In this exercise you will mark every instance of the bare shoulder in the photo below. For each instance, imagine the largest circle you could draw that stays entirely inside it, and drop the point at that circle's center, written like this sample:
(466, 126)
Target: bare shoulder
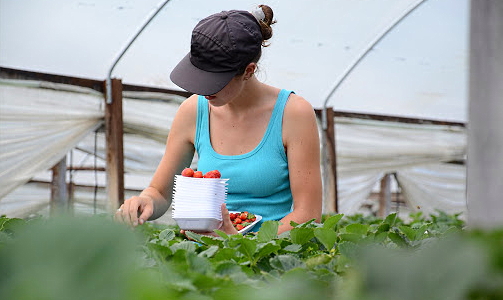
(188, 106)
(298, 107)
(184, 123)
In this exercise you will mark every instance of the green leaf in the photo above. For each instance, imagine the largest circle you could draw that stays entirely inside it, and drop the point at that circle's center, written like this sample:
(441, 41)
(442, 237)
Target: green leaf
(209, 252)
(198, 264)
(228, 268)
(248, 247)
(332, 221)
(167, 235)
(384, 227)
(380, 237)
(351, 237)
(210, 240)
(348, 249)
(391, 219)
(266, 249)
(409, 232)
(221, 234)
(188, 246)
(293, 248)
(397, 239)
(225, 254)
(317, 260)
(356, 228)
(301, 235)
(326, 236)
(194, 236)
(268, 231)
(286, 262)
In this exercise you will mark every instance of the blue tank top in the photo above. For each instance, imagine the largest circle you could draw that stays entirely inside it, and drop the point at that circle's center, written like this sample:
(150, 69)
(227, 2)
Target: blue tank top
(258, 180)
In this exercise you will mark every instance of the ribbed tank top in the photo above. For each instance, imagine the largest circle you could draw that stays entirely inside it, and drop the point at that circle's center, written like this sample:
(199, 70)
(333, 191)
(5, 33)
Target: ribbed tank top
(258, 180)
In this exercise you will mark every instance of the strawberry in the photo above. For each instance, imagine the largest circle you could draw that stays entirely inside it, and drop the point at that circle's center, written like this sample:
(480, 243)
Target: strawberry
(239, 227)
(188, 172)
(198, 174)
(212, 174)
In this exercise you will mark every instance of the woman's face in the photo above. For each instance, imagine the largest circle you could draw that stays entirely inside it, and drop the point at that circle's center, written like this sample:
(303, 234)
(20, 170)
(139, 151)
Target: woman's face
(232, 90)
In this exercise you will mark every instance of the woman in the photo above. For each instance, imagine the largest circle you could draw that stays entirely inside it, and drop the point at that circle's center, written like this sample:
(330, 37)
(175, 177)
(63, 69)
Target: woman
(263, 138)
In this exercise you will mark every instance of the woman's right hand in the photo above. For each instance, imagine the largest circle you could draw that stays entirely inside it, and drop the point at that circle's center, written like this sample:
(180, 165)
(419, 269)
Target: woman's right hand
(135, 210)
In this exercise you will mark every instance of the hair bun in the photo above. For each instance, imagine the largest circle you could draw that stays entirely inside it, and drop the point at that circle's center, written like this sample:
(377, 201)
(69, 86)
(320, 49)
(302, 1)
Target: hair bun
(265, 18)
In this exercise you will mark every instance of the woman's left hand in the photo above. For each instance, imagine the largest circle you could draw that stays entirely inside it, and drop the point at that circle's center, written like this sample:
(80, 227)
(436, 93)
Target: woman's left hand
(226, 226)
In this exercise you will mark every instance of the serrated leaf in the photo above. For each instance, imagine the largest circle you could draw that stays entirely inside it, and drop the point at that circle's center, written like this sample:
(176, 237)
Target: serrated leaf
(286, 262)
(326, 236)
(317, 260)
(194, 236)
(210, 240)
(409, 232)
(188, 246)
(222, 234)
(348, 249)
(227, 268)
(351, 237)
(268, 231)
(397, 239)
(391, 219)
(301, 235)
(198, 264)
(356, 228)
(332, 221)
(167, 234)
(266, 249)
(380, 237)
(209, 252)
(293, 248)
(225, 254)
(384, 227)
(248, 247)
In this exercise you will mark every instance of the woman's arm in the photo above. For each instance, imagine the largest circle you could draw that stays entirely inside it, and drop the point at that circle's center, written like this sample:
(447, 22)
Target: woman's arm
(301, 140)
(156, 199)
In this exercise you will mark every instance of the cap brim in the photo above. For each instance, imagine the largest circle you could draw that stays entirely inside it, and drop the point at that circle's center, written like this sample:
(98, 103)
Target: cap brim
(197, 81)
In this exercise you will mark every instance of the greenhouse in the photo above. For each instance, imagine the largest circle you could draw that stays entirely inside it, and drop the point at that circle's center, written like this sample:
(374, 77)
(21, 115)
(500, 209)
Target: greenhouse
(407, 101)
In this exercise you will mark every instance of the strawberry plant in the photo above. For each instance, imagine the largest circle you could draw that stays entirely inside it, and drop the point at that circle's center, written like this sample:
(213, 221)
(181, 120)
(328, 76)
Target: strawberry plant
(344, 257)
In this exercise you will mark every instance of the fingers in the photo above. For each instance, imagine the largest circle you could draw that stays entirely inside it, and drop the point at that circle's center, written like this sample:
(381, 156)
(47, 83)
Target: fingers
(145, 213)
(134, 211)
(227, 226)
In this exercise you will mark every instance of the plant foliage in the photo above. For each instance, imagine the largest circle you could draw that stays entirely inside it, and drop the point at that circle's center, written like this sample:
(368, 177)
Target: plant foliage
(344, 257)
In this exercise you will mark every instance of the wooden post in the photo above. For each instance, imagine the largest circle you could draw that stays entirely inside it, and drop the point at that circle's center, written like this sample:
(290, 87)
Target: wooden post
(485, 134)
(59, 191)
(328, 124)
(385, 196)
(114, 145)
(331, 144)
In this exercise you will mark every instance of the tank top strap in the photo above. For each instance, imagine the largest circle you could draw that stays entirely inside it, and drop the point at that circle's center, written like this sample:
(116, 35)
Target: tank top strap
(275, 130)
(202, 125)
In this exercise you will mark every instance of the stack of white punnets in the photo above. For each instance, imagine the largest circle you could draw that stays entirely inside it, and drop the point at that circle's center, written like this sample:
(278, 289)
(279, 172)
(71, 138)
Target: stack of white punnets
(197, 202)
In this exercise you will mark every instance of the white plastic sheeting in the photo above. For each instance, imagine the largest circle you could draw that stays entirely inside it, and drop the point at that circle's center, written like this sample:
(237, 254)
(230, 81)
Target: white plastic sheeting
(418, 70)
(39, 126)
(366, 150)
(41, 122)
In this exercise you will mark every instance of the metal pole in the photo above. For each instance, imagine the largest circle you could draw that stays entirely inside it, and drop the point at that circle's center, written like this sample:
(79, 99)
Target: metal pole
(123, 51)
(368, 48)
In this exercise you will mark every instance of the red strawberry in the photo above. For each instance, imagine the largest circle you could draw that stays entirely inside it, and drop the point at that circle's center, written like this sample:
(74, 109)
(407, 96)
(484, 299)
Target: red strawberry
(198, 174)
(212, 174)
(188, 172)
(239, 227)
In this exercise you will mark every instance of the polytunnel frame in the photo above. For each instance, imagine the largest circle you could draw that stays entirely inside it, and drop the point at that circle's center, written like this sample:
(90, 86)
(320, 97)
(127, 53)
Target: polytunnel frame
(329, 134)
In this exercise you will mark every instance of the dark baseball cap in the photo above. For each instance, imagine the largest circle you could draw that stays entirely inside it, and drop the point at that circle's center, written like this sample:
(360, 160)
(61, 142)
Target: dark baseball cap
(221, 45)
